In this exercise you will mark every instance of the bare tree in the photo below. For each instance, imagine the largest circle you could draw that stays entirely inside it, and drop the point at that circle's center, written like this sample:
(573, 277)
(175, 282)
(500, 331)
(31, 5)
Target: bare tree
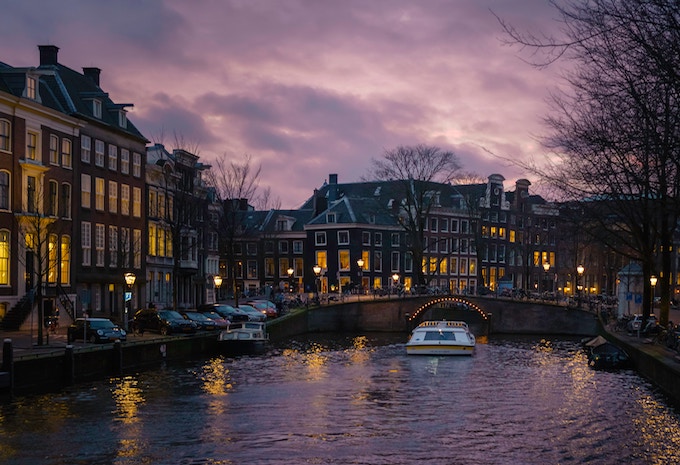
(417, 172)
(615, 130)
(237, 189)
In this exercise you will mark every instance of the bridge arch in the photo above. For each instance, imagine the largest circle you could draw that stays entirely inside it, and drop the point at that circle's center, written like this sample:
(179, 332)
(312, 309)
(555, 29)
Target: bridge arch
(452, 302)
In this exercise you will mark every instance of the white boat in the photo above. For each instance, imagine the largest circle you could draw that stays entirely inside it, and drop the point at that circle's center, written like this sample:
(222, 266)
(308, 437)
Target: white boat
(441, 338)
(244, 337)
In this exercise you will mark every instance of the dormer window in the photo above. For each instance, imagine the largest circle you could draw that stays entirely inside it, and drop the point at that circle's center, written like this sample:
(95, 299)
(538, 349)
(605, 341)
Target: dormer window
(31, 87)
(122, 119)
(330, 218)
(96, 108)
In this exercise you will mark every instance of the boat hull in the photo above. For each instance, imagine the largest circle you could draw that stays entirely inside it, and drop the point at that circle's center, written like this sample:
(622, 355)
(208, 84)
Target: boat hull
(439, 350)
(240, 347)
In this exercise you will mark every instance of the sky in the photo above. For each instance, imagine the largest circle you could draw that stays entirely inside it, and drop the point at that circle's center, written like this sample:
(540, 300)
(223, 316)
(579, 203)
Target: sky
(307, 87)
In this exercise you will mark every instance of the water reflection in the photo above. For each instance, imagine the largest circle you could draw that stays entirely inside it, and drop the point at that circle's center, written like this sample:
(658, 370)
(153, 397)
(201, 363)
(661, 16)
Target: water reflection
(356, 399)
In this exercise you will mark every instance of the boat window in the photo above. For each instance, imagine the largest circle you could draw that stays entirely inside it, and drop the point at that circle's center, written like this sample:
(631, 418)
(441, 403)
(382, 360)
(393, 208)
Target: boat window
(440, 336)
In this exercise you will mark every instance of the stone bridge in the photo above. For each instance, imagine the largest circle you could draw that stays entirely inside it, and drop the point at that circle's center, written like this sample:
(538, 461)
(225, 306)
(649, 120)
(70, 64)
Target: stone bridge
(484, 315)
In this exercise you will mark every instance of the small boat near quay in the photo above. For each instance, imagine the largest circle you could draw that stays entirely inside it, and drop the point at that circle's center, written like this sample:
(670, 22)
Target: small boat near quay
(243, 337)
(603, 355)
(441, 338)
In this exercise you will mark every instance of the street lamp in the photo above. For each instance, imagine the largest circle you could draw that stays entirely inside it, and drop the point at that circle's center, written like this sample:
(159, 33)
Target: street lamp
(360, 263)
(395, 280)
(290, 272)
(652, 280)
(217, 279)
(130, 281)
(317, 272)
(579, 270)
(546, 267)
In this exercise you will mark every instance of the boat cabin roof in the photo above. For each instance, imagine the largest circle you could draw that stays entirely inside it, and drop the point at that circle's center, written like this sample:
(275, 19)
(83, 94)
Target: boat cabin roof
(443, 324)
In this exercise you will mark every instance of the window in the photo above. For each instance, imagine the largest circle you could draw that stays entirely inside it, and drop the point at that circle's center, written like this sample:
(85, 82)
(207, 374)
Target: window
(454, 226)
(31, 201)
(330, 218)
(408, 262)
(4, 257)
(395, 239)
(377, 260)
(52, 192)
(321, 259)
(125, 199)
(366, 238)
(251, 269)
(343, 237)
(66, 155)
(283, 267)
(378, 239)
(86, 242)
(343, 260)
(113, 197)
(269, 267)
(454, 265)
(122, 119)
(99, 152)
(136, 202)
(251, 248)
(5, 138)
(85, 148)
(395, 261)
(65, 200)
(31, 87)
(297, 247)
(444, 225)
(113, 157)
(152, 240)
(4, 190)
(54, 146)
(99, 194)
(320, 238)
(99, 244)
(124, 161)
(136, 165)
(52, 251)
(137, 248)
(113, 246)
(433, 225)
(283, 247)
(65, 260)
(96, 108)
(31, 146)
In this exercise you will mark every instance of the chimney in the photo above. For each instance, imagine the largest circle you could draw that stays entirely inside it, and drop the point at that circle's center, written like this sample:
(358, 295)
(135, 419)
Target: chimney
(333, 187)
(48, 54)
(92, 74)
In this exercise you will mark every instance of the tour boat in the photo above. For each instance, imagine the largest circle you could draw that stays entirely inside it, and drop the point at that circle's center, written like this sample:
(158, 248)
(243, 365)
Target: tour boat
(441, 338)
(244, 337)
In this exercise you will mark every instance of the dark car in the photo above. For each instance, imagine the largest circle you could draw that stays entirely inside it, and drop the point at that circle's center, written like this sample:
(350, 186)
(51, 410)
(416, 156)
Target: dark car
(265, 306)
(95, 330)
(225, 311)
(253, 313)
(162, 321)
(218, 319)
(203, 323)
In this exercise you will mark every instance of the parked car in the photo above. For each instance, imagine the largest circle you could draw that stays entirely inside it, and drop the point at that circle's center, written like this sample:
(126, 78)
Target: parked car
(253, 313)
(221, 322)
(203, 323)
(95, 330)
(265, 306)
(635, 323)
(226, 311)
(162, 321)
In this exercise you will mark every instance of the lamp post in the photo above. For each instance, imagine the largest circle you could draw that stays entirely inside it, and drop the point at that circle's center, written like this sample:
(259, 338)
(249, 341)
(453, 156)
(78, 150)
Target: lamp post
(217, 279)
(579, 271)
(546, 268)
(360, 263)
(130, 281)
(652, 280)
(317, 272)
(290, 272)
(395, 280)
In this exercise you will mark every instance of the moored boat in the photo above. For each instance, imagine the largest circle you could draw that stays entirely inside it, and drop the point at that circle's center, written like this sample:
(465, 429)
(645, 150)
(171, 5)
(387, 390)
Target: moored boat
(441, 338)
(244, 337)
(604, 355)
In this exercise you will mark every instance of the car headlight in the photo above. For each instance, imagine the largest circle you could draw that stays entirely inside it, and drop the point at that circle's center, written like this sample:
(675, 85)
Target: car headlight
(100, 332)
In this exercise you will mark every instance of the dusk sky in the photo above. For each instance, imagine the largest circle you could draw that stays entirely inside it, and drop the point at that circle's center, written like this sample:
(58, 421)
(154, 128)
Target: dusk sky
(306, 87)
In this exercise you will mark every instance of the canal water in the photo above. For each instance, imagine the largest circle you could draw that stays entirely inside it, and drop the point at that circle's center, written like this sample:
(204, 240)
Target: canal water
(354, 400)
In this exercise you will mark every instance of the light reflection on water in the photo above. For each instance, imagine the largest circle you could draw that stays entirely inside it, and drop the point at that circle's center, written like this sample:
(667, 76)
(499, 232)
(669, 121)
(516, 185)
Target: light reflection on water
(354, 400)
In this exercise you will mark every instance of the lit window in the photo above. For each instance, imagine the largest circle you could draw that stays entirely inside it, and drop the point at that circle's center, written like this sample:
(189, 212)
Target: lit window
(4, 257)
(31, 87)
(99, 194)
(65, 261)
(113, 197)
(136, 202)
(125, 199)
